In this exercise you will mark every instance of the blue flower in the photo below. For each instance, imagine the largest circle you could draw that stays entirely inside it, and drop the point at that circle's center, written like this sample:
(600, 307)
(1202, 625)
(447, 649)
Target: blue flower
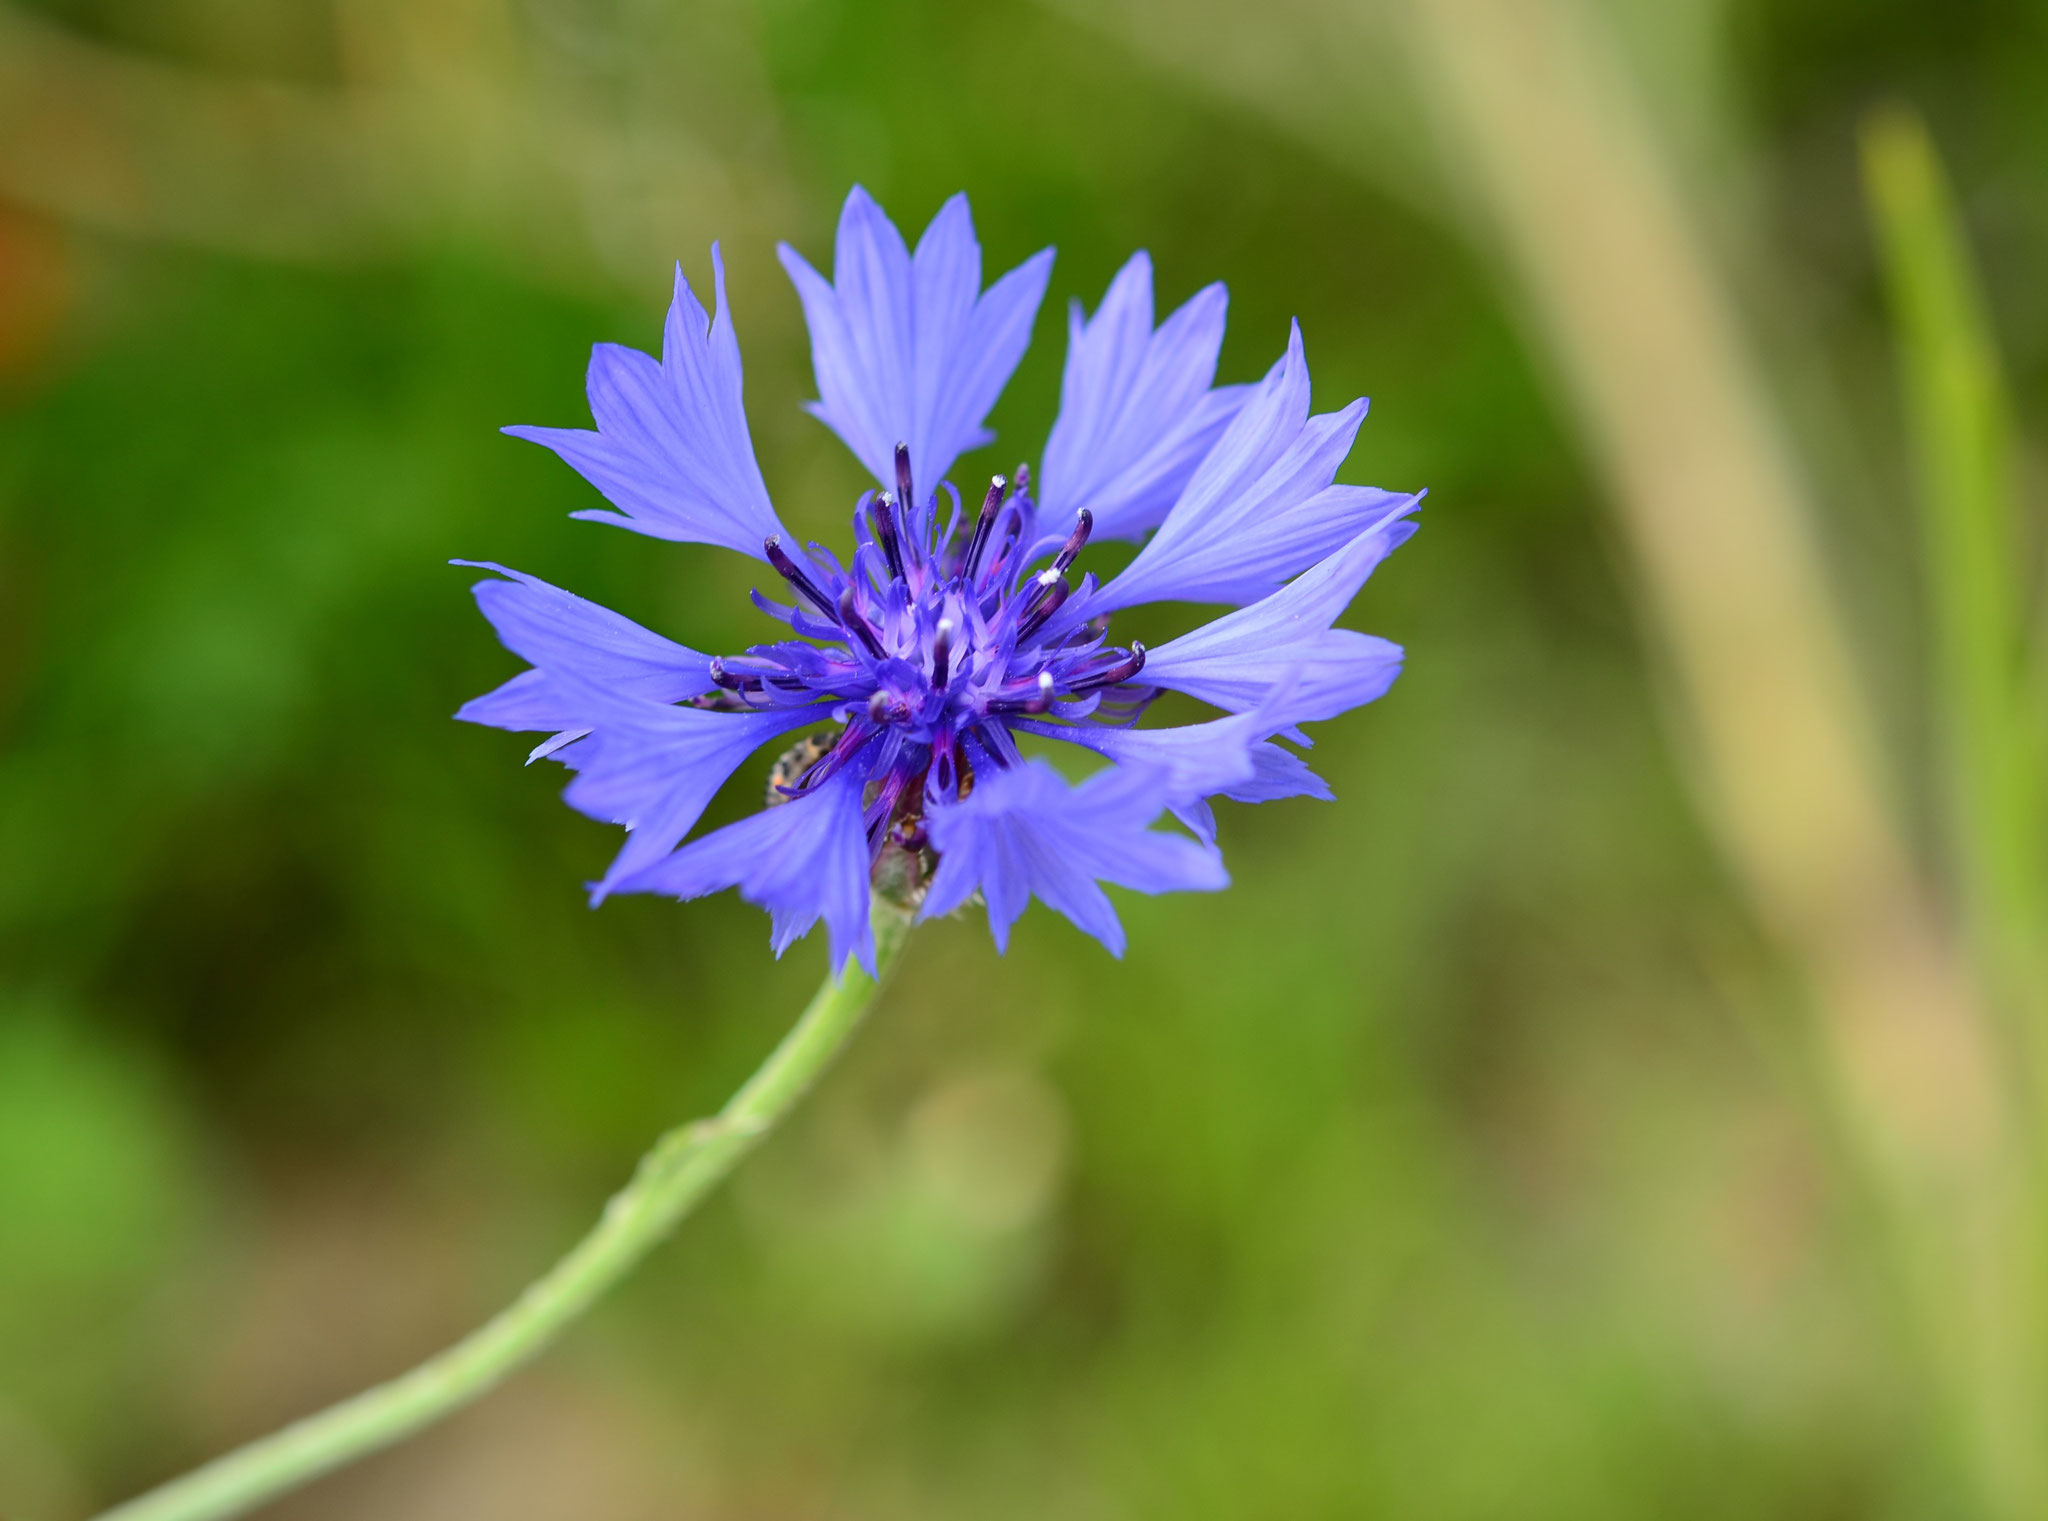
(951, 632)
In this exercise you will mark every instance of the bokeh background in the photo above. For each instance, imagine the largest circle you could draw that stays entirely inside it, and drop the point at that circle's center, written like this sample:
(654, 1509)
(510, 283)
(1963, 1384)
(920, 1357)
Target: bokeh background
(1462, 1161)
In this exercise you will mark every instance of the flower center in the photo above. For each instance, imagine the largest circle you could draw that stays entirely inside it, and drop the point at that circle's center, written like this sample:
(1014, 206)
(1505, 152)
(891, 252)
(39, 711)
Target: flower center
(931, 642)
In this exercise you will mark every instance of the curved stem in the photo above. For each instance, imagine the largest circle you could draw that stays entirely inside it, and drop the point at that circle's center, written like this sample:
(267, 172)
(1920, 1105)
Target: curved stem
(681, 1168)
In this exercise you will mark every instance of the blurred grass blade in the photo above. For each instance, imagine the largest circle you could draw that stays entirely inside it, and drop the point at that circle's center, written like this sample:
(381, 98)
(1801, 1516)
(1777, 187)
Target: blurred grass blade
(1576, 195)
(1960, 422)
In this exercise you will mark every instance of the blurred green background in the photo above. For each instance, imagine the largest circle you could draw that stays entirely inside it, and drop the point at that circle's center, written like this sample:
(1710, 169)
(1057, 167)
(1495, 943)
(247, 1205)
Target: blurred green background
(1454, 1164)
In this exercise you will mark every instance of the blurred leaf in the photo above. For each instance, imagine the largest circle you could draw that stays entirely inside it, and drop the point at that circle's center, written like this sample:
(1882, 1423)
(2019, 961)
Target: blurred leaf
(463, 127)
(100, 1200)
(95, 1165)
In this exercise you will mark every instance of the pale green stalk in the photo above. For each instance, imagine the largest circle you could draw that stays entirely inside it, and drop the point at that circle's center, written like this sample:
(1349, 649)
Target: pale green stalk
(682, 1167)
(1565, 167)
(1961, 426)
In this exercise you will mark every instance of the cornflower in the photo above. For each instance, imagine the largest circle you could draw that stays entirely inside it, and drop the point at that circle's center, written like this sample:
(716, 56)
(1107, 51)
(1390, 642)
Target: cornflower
(951, 632)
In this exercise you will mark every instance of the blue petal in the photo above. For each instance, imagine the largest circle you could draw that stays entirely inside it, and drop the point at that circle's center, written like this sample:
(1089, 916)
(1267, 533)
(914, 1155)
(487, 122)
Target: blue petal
(1024, 833)
(1227, 757)
(655, 768)
(671, 451)
(557, 630)
(1137, 414)
(1221, 758)
(525, 704)
(1237, 660)
(1261, 507)
(803, 861)
(903, 350)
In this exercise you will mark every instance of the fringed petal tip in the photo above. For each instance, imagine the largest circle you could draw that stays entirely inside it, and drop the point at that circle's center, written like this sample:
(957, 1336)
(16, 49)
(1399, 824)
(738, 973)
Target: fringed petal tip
(906, 346)
(1137, 410)
(569, 640)
(671, 451)
(1026, 832)
(802, 861)
(1261, 507)
(1236, 660)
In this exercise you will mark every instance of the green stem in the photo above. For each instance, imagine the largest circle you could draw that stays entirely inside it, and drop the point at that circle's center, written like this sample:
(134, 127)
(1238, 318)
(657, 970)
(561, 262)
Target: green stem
(1960, 418)
(1991, 1340)
(682, 1167)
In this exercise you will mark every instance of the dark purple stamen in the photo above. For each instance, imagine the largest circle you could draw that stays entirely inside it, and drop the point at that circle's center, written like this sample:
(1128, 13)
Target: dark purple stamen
(793, 574)
(851, 620)
(1007, 538)
(1084, 522)
(904, 494)
(1109, 676)
(1045, 601)
(1034, 698)
(992, 504)
(882, 519)
(721, 677)
(929, 646)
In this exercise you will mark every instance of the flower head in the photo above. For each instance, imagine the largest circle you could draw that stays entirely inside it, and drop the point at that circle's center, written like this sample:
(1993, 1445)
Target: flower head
(954, 628)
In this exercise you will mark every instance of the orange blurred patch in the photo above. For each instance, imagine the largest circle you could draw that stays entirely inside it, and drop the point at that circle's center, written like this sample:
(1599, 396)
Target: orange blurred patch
(35, 289)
